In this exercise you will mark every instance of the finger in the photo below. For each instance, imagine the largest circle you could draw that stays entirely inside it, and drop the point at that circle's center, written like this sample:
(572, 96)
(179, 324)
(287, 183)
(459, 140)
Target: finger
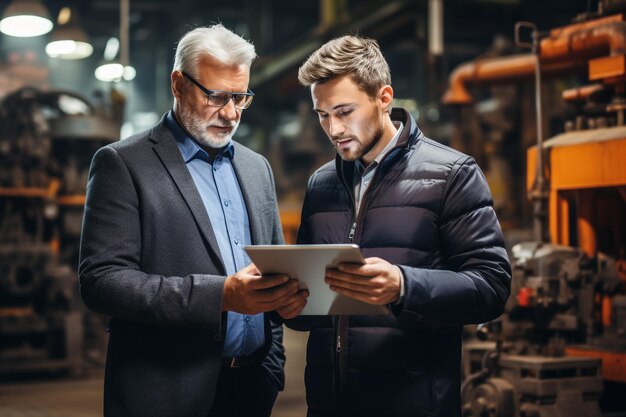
(268, 281)
(286, 300)
(336, 275)
(292, 302)
(347, 285)
(252, 270)
(275, 294)
(293, 312)
(293, 309)
(356, 295)
(367, 270)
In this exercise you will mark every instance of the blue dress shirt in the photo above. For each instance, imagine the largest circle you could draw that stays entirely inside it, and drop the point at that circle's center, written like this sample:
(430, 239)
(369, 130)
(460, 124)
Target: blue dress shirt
(218, 186)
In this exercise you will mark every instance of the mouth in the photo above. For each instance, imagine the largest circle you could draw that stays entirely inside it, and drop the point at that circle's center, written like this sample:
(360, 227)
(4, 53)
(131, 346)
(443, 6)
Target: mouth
(343, 143)
(221, 129)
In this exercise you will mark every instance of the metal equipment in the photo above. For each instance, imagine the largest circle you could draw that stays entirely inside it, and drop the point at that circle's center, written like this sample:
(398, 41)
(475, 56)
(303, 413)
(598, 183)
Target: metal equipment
(560, 347)
(46, 143)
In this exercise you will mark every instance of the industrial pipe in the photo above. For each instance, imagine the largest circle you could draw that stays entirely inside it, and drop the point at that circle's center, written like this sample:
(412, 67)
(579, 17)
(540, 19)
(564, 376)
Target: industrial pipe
(563, 51)
(588, 43)
(581, 93)
(493, 70)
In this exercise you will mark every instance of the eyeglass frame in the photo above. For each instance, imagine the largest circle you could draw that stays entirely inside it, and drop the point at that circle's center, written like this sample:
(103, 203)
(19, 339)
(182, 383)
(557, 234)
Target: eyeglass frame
(209, 92)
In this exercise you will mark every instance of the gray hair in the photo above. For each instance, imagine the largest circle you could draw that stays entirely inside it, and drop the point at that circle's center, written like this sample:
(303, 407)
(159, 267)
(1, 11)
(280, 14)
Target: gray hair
(216, 41)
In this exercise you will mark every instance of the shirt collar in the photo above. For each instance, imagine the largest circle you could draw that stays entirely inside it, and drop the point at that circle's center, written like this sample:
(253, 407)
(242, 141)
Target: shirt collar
(359, 163)
(189, 148)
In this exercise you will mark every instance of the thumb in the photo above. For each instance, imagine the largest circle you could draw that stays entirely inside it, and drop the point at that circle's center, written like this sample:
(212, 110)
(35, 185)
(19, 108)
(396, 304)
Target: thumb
(252, 270)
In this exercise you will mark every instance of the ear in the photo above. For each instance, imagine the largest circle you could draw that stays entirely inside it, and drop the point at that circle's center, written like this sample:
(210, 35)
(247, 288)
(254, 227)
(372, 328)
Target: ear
(177, 84)
(385, 95)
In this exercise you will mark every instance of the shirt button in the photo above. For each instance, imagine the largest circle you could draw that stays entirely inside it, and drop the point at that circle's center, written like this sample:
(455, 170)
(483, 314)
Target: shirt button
(226, 203)
(236, 241)
(247, 319)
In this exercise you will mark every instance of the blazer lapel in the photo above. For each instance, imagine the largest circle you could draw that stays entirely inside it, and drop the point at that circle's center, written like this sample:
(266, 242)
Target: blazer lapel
(248, 181)
(169, 154)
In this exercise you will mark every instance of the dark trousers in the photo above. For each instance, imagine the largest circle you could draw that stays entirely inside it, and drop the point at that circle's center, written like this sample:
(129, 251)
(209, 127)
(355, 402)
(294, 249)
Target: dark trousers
(244, 392)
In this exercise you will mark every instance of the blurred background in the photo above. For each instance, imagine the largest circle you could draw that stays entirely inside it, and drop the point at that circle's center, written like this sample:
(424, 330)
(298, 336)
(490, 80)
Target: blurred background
(498, 79)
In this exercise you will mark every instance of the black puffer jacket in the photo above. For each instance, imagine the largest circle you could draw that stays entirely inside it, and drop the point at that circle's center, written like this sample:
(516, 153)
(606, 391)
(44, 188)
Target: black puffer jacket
(428, 210)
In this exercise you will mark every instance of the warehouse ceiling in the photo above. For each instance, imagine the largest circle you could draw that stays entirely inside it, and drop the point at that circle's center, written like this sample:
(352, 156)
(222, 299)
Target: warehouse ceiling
(285, 31)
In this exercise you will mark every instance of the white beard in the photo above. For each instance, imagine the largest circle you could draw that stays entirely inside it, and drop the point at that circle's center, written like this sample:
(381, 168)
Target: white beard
(198, 128)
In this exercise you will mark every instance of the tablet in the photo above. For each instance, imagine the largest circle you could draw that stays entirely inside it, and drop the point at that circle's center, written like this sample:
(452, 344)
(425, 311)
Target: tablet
(308, 263)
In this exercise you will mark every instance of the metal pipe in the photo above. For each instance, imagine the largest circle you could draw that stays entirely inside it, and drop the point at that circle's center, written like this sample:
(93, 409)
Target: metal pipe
(124, 11)
(494, 70)
(566, 49)
(587, 43)
(581, 93)
(539, 194)
(435, 27)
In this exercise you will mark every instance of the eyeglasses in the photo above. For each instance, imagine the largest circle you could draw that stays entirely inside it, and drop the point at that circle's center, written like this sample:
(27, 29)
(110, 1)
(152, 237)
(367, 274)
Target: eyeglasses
(217, 98)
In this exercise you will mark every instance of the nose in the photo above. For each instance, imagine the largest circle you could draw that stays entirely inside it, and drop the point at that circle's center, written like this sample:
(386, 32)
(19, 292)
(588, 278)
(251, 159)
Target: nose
(335, 128)
(229, 111)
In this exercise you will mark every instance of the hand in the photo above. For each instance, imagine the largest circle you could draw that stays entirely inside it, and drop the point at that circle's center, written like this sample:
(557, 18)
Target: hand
(294, 308)
(247, 292)
(375, 282)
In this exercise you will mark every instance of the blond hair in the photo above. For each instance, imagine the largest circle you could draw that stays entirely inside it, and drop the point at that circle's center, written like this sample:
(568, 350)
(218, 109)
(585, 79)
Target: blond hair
(359, 58)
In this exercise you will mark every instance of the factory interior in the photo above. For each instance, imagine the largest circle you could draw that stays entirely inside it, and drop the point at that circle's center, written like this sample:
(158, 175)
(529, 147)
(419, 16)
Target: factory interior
(496, 79)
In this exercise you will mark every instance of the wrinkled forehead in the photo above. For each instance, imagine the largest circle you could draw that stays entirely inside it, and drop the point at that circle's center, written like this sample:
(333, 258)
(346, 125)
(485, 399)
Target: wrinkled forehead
(216, 75)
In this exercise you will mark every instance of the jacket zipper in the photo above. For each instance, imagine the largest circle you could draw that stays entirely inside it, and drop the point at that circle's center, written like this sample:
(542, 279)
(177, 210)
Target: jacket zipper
(341, 332)
(341, 326)
(341, 323)
(352, 230)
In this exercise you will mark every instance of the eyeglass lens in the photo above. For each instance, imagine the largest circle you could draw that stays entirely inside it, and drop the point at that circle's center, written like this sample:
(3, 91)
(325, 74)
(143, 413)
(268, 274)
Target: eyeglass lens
(221, 99)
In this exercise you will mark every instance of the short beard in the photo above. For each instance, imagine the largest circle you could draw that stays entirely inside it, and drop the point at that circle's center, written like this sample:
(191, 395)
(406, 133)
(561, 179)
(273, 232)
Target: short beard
(369, 146)
(365, 147)
(197, 128)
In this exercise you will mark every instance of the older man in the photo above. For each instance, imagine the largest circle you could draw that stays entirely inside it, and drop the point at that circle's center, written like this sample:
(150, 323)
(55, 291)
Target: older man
(168, 213)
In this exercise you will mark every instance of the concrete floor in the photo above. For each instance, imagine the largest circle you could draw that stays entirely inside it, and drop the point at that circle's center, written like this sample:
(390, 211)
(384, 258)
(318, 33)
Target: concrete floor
(45, 397)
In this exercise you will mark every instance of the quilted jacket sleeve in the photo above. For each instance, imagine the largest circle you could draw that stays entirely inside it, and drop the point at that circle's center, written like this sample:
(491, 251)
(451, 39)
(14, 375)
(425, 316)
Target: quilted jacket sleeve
(474, 283)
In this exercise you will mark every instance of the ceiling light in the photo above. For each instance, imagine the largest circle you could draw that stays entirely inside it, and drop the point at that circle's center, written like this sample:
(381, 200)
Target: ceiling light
(113, 72)
(25, 18)
(118, 71)
(111, 49)
(69, 49)
(68, 40)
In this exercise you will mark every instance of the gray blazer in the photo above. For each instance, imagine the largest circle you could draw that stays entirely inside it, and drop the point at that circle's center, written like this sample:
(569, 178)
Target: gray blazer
(149, 259)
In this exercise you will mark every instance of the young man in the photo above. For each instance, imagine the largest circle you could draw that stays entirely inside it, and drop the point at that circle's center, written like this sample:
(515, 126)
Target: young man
(168, 213)
(422, 215)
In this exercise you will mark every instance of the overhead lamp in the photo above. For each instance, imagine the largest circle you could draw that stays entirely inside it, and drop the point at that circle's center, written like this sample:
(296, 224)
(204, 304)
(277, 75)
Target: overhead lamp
(114, 71)
(25, 18)
(68, 39)
(118, 71)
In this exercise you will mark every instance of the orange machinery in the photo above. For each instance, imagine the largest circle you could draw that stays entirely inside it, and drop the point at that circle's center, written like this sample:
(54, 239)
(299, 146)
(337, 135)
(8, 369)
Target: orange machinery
(586, 172)
(580, 179)
(290, 220)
